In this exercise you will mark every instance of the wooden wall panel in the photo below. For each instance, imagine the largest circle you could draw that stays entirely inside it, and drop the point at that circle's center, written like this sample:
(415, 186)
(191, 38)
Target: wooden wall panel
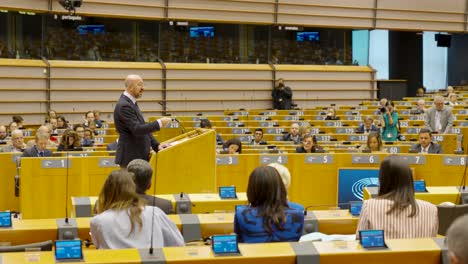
(31, 5)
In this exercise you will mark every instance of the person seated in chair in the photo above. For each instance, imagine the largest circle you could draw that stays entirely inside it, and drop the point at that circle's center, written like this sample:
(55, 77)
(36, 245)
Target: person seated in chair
(374, 144)
(457, 239)
(233, 146)
(17, 142)
(258, 137)
(425, 145)
(70, 141)
(39, 150)
(420, 108)
(331, 114)
(367, 126)
(293, 135)
(268, 217)
(309, 144)
(205, 123)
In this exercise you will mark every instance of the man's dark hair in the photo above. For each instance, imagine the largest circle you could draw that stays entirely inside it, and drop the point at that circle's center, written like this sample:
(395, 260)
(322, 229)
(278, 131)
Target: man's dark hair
(425, 130)
(75, 127)
(205, 123)
(259, 130)
(142, 174)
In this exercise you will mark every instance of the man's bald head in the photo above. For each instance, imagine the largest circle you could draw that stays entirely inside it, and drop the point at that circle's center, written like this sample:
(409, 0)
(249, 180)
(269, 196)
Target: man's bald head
(134, 85)
(43, 129)
(3, 132)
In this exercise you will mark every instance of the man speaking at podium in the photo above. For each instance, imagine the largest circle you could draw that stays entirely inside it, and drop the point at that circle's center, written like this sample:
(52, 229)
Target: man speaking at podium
(135, 136)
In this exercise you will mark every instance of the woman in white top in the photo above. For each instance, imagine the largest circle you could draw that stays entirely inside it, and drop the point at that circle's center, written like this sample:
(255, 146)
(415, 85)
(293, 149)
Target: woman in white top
(123, 220)
(395, 210)
(452, 99)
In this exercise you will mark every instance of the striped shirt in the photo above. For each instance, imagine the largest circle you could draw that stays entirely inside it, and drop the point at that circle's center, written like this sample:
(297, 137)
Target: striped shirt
(398, 224)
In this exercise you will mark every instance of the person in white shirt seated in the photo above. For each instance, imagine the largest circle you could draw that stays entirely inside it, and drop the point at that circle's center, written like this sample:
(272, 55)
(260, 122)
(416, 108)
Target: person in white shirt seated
(452, 99)
(123, 220)
(425, 145)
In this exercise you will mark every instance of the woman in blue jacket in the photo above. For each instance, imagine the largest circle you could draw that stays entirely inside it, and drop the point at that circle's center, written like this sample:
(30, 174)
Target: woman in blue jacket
(268, 217)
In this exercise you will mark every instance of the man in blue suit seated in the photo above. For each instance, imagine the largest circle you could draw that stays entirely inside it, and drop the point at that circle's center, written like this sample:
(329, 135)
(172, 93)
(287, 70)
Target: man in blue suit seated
(367, 126)
(39, 150)
(425, 145)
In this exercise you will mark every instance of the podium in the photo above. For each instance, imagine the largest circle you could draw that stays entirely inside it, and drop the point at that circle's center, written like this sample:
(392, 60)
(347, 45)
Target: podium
(188, 165)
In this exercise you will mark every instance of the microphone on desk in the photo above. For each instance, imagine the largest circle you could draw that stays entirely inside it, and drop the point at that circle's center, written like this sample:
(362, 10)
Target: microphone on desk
(180, 124)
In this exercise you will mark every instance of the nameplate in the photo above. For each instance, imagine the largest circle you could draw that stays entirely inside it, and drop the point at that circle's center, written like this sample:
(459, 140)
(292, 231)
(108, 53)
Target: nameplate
(462, 112)
(416, 117)
(344, 130)
(394, 149)
(27, 133)
(376, 112)
(105, 126)
(291, 118)
(319, 118)
(233, 124)
(404, 123)
(323, 137)
(454, 161)
(267, 124)
(173, 125)
(241, 113)
(363, 107)
(271, 159)
(364, 159)
(314, 131)
(333, 124)
(278, 138)
(276, 130)
(260, 118)
(348, 112)
(197, 119)
(79, 154)
(405, 112)
(107, 163)
(438, 138)
(269, 113)
(357, 138)
(240, 130)
(299, 113)
(227, 160)
(224, 118)
(196, 125)
(405, 103)
(415, 159)
(353, 118)
(463, 124)
(55, 164)
(245, 138)
(319, 159)
(413, 130)
(100, 132)
(456, 130)
(99, 140)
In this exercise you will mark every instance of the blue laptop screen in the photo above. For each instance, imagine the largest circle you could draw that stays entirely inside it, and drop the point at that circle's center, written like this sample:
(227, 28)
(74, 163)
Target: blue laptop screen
(355, 207)
(68, 249)
(5, 219)
(224, 244)
(227, 192)
(420, 186)
(372, 238)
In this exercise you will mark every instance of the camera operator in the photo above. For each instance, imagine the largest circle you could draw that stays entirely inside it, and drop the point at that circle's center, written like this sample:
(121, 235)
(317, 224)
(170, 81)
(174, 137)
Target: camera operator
(389, 122)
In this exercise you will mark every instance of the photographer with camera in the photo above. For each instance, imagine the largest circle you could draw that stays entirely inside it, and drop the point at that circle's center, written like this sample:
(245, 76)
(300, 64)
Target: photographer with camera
(389, 122)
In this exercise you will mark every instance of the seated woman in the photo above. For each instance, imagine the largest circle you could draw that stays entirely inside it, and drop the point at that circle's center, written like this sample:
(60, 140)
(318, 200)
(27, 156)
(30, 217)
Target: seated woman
(233, 146)
(123, 220)
(268, 217)
(374, 143)
(309, 144)
(395, 210)
(331, 114)
(70, 141)
(62, 122)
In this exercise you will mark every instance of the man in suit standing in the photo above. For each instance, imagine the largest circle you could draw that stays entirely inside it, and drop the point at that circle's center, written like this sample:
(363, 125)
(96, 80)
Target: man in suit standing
(439, 118)
(142, 177)
(39, 150)
(135, 136)
(425, 145)
(282, 96)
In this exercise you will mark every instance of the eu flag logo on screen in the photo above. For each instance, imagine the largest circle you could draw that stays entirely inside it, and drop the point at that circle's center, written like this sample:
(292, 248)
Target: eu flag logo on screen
(351, 183)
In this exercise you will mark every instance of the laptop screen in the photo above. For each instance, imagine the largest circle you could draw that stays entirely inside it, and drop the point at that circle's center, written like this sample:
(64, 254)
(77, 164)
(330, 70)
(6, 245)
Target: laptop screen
(5, 219)
(372, 238)
(420, 186)
(227, 192)
(68, 250)
(222, 244)
(355, 207)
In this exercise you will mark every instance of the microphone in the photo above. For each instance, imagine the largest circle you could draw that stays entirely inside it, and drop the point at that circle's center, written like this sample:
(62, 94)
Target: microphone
(180, 123)
(66, 186)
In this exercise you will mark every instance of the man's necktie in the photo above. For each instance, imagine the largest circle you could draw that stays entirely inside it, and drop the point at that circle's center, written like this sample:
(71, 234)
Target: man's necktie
(41, 154)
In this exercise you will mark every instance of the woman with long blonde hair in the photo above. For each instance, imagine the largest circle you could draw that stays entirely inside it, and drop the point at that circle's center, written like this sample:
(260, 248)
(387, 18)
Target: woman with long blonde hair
(123, 220)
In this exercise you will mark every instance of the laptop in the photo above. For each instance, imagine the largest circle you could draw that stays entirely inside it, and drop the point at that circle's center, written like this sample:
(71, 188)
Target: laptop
(68, 251)
(5, 219)
(372, 239)
(227, 192)
(419, 186)
(225, 245)
(355, 208)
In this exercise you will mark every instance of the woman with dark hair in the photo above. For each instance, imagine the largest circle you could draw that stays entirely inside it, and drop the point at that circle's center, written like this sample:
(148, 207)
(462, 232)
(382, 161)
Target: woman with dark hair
(70, 141)
(374, 143)
(389, 122)
(309, 144)
(123, 220)
(233, 146)
(268, 217)
(62, 122)
(395, 210)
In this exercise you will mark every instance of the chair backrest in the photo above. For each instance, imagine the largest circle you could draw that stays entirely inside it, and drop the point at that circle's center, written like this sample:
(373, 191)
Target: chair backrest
(448, 214)
(43, 246)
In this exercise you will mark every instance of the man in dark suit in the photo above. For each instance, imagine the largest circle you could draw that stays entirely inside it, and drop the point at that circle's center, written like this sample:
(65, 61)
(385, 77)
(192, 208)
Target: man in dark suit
(39, 150)
(425, 145)
(135, 136)
(282, 96)
(258, 138)
(368, 126)
(142, 177)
